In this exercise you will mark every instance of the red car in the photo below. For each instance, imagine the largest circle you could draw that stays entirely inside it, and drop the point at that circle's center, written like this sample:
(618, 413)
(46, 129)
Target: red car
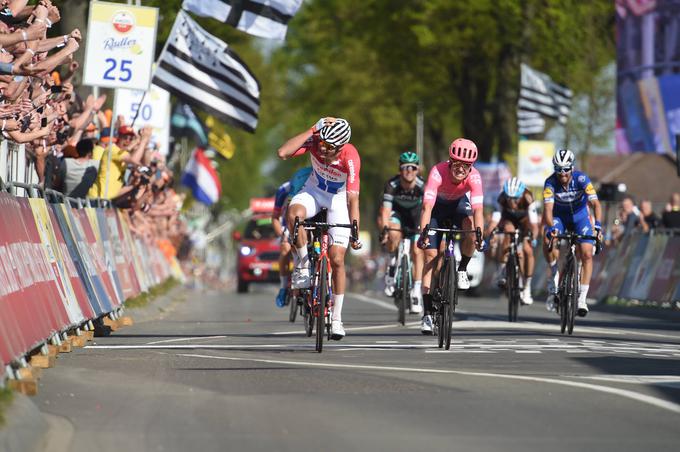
(257, 252)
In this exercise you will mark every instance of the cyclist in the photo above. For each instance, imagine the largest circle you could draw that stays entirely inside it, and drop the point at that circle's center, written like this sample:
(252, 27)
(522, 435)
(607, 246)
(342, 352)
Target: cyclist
(567, 194)
(283, 195)
(517, 210)
(333, 184)
(402, 202)
(445, 202)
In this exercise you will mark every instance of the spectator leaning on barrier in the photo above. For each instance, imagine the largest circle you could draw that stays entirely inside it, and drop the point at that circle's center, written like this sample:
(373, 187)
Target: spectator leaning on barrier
(629, 219)
(671, 216)
(80, 173)
(651, 219)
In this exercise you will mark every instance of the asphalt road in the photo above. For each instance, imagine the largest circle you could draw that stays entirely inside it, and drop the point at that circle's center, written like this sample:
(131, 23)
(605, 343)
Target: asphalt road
(229, 372)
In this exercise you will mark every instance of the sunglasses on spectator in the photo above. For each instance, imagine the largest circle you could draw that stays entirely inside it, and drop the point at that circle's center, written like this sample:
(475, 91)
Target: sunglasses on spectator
(409, 167)
(565, 170)
(461, 165)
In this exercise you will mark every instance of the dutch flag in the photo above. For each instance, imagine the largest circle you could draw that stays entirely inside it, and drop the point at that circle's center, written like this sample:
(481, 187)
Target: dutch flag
(201, 177)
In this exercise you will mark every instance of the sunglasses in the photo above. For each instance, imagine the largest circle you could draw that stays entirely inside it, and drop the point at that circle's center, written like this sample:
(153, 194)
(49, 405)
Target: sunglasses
(329, 147)
(566, 170)
(409, 167)
(461, 165)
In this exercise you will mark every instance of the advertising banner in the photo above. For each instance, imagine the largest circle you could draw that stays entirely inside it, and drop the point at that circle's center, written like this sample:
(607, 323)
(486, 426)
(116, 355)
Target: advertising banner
(631, 264)
(667, 276)
(52, 251)
(534, 164)
(105, 240)
(131, 258)
(80, 280)
(83, 242)
(655, 113)
(121, 42)
(633, 116)
(36, 273)
(643, 274)
(97, 253)
(670, 92)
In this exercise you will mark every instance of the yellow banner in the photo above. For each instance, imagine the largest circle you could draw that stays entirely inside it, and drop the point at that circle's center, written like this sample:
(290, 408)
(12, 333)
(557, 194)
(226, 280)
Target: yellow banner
(219, 139)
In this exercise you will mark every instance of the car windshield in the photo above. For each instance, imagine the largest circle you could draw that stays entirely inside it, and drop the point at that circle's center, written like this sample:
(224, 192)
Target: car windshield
(259, 228)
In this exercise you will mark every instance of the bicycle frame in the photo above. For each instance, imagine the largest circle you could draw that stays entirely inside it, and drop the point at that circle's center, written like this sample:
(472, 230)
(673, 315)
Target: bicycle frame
(402, 291)
(513, 271)
(570, 280)
(320, 303)
(444, 291)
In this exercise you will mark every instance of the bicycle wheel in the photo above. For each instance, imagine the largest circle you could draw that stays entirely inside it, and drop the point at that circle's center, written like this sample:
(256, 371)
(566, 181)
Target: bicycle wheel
(320, 307)
(452, 298)
(563, 299)
(573, 299)
(293, 302)
(442, 281)
(512, 289)
(403, 290)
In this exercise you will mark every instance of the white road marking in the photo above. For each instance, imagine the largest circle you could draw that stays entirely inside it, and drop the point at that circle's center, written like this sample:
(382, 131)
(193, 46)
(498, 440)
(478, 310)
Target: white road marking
(642, 398)
(636, 379)
(357, 328)
(184, 339)
(373, 301)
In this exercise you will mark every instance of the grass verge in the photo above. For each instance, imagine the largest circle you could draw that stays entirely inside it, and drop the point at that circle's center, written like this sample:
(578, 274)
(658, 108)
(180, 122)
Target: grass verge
(144, 298)
(5, 400)
(615, 301)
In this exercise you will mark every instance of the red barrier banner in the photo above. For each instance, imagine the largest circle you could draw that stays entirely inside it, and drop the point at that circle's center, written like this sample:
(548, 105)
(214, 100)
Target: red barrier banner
(117, 243)
(18, 333)
(39, 272)
(131, 260)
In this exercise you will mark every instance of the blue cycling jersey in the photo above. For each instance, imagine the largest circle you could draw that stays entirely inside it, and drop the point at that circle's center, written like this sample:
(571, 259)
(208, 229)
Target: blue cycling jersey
(572, 199)
(291, 187)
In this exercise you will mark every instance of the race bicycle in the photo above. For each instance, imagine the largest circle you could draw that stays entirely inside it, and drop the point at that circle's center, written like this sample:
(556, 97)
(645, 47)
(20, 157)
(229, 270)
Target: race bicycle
(445, 296)
(319, 305)
(403, 277)
(513, 274)
(569, 286)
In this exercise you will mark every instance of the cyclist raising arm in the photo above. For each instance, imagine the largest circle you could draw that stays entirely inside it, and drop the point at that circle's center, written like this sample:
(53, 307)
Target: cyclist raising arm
(334, 185)
(446, 200)
(566, 197)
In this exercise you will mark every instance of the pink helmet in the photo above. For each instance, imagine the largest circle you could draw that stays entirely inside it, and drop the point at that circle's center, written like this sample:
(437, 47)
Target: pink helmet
(463, 150)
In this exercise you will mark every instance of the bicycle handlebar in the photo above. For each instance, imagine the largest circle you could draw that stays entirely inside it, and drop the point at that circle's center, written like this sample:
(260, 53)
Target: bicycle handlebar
(313, 225)
(571, 236)
(477, 231)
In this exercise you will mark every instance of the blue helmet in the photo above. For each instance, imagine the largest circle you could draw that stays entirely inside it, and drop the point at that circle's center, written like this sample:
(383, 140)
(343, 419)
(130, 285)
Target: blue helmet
(514, 187)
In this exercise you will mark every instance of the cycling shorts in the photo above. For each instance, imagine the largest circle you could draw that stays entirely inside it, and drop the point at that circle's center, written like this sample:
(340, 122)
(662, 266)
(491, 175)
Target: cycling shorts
(448, 214)
(407, 219)
(578, 223)
(313, 199)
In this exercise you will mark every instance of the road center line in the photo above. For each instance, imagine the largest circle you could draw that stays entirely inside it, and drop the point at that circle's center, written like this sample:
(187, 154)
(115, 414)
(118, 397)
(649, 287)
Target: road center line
(642, 398)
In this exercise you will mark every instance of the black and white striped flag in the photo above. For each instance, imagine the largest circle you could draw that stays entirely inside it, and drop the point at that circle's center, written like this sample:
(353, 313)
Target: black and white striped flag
(540, 97)
(201, 70)
(263, 18)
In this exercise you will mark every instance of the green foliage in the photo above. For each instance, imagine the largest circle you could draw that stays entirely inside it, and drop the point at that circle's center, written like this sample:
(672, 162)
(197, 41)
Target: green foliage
(145, 298)
(5, 401)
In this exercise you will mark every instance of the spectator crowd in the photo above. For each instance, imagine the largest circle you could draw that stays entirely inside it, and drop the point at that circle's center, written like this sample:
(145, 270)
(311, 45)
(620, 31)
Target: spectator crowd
(631, 218)
(69, 137)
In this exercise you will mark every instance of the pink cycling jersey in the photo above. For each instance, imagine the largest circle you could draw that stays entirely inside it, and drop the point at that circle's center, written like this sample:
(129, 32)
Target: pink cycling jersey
(440, 186)
(341, 174)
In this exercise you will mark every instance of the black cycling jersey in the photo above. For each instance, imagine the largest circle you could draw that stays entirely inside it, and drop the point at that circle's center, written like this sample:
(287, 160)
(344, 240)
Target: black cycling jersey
(397, 198)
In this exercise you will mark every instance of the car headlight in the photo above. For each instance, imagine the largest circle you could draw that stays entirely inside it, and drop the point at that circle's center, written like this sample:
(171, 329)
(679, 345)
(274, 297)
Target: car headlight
(247, 250)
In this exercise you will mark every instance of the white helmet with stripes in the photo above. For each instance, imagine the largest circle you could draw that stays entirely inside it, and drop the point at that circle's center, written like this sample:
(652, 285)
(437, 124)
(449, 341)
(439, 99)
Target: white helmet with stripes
(336, 134)
(514, 188)
(563, 158)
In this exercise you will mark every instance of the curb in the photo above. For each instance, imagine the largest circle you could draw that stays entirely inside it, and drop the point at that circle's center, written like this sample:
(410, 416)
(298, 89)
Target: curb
(25, 429)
